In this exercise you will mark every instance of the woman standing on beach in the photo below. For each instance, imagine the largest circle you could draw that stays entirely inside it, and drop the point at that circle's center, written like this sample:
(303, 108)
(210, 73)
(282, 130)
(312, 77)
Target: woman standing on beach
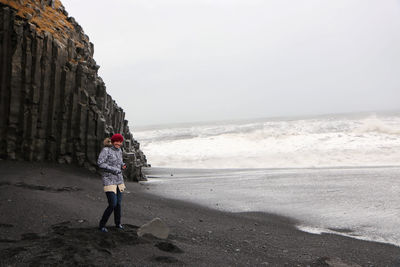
(111, 164)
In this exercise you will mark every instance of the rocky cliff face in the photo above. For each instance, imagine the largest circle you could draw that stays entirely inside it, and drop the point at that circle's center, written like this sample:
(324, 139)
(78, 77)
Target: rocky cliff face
(53, 104)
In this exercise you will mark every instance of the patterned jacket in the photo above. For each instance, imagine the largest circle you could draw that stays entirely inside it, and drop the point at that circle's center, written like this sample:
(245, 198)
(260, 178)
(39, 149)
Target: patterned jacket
(110, 162)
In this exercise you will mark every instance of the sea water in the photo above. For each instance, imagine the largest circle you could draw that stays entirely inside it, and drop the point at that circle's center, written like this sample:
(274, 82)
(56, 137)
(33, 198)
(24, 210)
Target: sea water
(325, 141)
(333, 174)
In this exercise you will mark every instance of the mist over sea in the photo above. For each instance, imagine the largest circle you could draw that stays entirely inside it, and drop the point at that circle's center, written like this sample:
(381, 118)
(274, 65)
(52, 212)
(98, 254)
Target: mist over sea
(333, 174)
(359, 139)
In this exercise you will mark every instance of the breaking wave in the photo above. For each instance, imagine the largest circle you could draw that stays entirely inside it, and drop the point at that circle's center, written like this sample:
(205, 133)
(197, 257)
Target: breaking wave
(327, 141)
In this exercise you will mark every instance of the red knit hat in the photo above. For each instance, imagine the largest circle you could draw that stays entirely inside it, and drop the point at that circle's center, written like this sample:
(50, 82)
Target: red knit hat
(117, 138)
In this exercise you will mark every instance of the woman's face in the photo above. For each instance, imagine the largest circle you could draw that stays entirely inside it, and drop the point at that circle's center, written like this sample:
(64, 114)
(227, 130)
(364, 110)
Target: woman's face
(117, 144)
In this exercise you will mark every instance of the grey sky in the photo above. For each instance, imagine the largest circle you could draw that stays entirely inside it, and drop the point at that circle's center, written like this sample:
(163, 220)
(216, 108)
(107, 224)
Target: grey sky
(198, 60)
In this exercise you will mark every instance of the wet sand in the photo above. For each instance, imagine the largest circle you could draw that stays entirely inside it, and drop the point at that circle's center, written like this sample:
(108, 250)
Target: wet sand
(49, 216)
(362, 201)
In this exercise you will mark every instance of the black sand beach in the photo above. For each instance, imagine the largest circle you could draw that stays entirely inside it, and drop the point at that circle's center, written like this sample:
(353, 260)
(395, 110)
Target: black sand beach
(50, 212)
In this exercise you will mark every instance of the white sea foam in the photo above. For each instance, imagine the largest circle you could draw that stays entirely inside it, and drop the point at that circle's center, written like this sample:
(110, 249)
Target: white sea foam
(374, 124)
(313, 142)
(360, 236)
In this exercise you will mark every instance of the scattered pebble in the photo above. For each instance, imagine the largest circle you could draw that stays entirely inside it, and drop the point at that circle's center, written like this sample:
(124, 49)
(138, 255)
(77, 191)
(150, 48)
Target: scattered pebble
(237, 250)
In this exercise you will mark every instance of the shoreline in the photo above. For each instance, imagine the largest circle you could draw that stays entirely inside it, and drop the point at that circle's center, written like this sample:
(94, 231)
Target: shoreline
(260, 234)
(296, 224)
(322, 200)
(272, 169)
(345, 233)
(60, 206)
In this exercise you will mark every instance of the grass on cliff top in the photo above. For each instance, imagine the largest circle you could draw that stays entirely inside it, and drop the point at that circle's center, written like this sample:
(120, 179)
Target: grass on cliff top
(49, 19)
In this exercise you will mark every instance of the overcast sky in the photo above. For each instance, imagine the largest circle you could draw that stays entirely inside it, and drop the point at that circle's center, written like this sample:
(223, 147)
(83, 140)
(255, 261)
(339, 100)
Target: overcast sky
(200, 60)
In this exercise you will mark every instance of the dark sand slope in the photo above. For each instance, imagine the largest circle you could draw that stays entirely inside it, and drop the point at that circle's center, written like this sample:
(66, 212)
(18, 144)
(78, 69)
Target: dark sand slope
(49, 215)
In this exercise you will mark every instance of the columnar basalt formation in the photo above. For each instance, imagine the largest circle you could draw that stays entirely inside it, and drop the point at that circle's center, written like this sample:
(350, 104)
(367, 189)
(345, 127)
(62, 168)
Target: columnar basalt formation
(53, 104)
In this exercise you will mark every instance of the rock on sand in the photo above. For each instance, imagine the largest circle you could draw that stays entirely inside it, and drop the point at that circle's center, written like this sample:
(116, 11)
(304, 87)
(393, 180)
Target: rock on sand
(155, 227)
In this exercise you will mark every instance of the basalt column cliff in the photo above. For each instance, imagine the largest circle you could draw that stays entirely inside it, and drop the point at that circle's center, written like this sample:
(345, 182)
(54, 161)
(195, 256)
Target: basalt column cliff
(53, 105)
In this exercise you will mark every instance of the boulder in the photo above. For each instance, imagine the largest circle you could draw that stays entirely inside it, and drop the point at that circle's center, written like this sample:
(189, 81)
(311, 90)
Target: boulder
(155, 227)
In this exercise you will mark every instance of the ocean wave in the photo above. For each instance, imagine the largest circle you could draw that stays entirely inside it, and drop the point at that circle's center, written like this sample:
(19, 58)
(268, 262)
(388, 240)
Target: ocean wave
(316, 142)
(374, 124)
